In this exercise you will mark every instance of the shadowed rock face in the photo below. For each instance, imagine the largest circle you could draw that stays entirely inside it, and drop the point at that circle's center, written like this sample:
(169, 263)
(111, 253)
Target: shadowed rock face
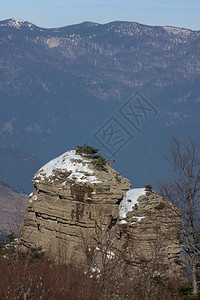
(151, 231)
(71, 197)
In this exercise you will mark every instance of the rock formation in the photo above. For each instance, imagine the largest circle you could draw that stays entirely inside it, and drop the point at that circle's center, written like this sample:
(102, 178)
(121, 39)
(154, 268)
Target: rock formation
(149, 232)
(68, 193)
(72, 195)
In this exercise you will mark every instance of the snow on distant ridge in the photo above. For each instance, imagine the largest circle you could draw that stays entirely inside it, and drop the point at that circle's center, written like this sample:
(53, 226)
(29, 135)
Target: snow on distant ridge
(129, 201)
(17, 23)
(69, 161)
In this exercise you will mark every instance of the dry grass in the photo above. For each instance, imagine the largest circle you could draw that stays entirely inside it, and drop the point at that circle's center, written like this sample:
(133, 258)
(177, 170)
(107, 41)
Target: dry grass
(43, 279)
(34, 279)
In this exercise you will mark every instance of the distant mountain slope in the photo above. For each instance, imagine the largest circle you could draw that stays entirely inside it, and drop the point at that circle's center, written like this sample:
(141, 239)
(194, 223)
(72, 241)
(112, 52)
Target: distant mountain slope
(59, 86)
(12, 207)
(17, 167)
(120, 54)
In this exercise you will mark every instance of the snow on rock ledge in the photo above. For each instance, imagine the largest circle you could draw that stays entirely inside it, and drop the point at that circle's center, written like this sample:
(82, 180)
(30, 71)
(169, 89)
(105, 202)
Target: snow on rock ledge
(130, 201)
(61, 211)
(71, 162)
(67, 201)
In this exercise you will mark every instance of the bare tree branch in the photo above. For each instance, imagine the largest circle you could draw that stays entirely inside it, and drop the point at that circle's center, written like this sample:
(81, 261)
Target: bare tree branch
(184, 192)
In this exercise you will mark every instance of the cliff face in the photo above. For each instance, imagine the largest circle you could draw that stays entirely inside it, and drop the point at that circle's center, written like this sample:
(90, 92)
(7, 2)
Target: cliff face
(68, 194)
(149, 233)
(71, 197)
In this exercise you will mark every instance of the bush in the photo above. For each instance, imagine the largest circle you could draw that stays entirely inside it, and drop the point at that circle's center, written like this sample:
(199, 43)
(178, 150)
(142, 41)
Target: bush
(148, 188)
(87, 150)
(8, 246)
(196, 296)
(35, 252)
(11, 237)
(99, 162)
(193, 297)
(185, 289)
(43, 279)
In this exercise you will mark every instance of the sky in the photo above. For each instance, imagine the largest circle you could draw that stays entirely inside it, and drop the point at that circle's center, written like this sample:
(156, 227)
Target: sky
(58, 13)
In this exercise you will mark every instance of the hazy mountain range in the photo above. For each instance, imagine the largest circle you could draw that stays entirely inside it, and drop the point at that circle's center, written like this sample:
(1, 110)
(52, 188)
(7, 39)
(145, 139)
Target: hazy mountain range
(12, 208)
(61, 87)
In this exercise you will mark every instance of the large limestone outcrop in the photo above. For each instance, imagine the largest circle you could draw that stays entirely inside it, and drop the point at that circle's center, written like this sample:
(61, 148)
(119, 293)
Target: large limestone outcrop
(149, 230)
(69, 192)
(71, 197)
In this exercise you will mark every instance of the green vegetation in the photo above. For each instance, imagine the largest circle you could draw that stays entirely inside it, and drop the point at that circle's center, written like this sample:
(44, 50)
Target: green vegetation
(186, 291)
(198, 265)
(148, 188)
(11, 237)
(99, 162)
(87, 150)
(32, 253)
(8, 244)
(91, 152)
(193, 297)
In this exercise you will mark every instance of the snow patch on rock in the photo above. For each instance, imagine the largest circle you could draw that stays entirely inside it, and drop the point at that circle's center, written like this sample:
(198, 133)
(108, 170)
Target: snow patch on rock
(130, 201)
(34, 198)
(123, 222)
(138, 219)
(76, 165)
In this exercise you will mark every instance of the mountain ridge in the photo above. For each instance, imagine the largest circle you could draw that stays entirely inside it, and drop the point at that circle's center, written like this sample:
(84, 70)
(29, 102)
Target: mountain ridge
(16, 20)
(59, 86)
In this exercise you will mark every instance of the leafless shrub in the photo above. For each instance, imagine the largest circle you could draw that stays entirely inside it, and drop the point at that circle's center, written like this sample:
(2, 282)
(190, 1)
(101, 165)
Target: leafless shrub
(43, 279)
(184, 192)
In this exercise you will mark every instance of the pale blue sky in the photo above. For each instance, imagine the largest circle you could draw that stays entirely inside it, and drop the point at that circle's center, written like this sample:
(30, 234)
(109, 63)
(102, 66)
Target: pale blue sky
(57, 13)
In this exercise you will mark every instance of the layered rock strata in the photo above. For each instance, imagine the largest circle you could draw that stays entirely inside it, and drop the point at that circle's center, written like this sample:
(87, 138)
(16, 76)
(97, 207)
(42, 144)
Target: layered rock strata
(71, 197)
(69, 193)
(149, 233)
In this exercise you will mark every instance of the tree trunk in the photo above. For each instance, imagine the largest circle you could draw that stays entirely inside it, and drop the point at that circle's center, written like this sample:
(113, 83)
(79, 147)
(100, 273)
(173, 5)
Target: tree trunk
(194, 277)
